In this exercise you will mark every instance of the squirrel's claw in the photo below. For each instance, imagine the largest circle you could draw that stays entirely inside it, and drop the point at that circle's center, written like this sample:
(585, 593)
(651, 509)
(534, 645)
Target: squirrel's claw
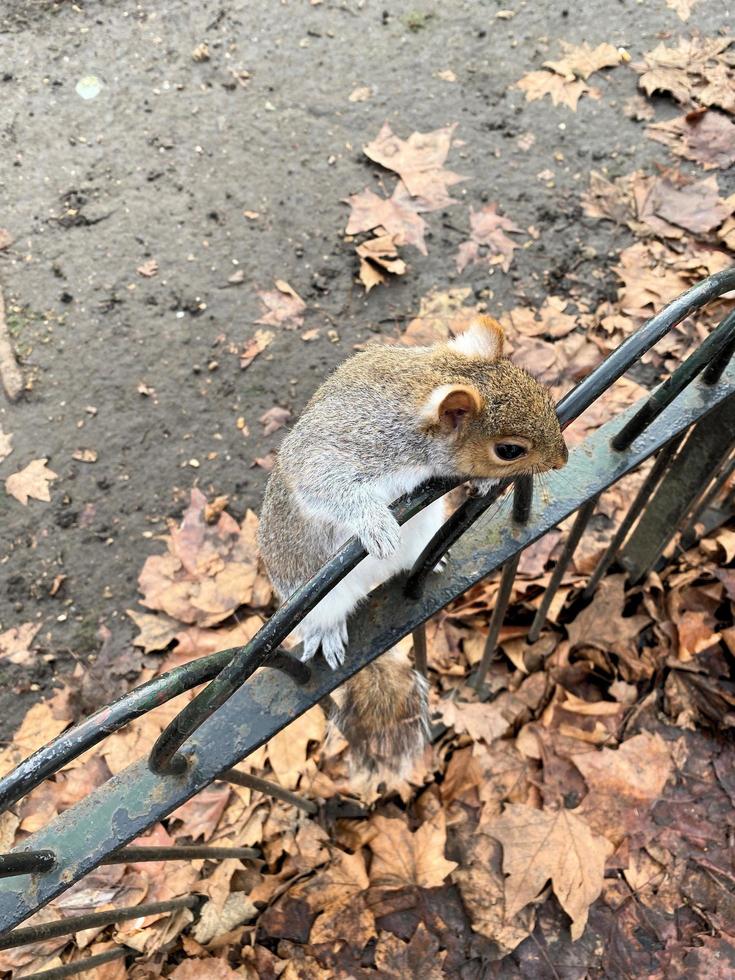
(333, 648)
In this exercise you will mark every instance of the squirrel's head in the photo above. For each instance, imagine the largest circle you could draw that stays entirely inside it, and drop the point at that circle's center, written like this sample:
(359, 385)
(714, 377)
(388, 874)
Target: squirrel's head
(498, 420)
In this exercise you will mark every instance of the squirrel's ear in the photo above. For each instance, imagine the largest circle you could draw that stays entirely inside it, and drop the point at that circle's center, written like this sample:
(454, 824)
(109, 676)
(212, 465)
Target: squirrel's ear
(450, 406)
(483, 338)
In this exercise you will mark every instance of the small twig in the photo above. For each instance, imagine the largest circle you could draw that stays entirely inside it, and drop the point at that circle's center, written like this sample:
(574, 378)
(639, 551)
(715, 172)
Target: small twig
(10, 374)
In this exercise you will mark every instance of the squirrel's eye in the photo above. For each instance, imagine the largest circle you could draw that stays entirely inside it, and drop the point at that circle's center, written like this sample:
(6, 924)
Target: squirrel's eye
(509, 451)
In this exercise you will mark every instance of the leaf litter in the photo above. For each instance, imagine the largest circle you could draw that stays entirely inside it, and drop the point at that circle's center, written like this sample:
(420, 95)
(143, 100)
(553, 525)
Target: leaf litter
(591, 772)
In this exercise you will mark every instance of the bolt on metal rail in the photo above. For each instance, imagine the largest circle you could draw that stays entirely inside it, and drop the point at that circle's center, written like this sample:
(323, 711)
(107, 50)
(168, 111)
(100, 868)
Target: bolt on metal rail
(687, 423)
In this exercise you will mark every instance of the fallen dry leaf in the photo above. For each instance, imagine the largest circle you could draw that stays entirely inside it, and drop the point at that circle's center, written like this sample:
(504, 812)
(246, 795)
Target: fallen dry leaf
(397, 215)
(418, 958)
(537, 84)
(200, 815)
(419, 161)
(481, 883)
(698, 70)
(360, 94)
(32, 481)
(208, 570)
(581, 61)
(682, 8)
(148, 269)
(378, 256)
(488, 244)
(16, 644)
(42, 723)
(706, 137)
(550, 320)
(274, 419)
(623, 783)
(403, 858)
(602, 624)
(287, 751)
(156, 631)
(284, 307)
(697, 207)
(441, 313)
(208, 969)
(539, 846)
(256, 345)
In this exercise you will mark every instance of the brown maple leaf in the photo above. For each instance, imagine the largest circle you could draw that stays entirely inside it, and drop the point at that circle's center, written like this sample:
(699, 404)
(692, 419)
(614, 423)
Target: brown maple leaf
(697, 207)
(32, 481)
(602, 624)
(549, 320)
(487, 232)
(441, 314)
(623, 783)
(581, 61)
(706, 137)
(696, 71)
(207, 571)
(16, 644)
(537, 84)
(419, 161)
(541, 845)
(288, 750)
(396, 214)
(482, 886)
(284, 307)
(403, 858)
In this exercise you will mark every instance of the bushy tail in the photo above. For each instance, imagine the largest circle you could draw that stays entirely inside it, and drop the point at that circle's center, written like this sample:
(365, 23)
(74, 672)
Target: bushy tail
(383, 713)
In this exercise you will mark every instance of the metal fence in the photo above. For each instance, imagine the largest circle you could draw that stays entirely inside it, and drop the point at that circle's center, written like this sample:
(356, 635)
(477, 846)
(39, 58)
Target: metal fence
(688, 423)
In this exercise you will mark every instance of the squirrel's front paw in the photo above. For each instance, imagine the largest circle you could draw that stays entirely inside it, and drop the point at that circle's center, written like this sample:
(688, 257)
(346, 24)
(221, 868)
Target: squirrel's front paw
(382, 538)
(332, 642)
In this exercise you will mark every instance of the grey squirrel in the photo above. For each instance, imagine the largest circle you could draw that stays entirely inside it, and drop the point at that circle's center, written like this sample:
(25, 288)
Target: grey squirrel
(385, 421)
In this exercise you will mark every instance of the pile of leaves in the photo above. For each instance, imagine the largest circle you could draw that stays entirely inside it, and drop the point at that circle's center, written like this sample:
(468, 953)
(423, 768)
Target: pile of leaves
(582, 814)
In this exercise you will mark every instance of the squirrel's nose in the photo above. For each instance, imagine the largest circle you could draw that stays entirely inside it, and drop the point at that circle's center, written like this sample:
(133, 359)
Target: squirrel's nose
(562, 457)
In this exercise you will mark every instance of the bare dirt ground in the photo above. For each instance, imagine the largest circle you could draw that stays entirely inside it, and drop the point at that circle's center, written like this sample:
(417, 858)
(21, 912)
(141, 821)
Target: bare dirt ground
(137, 229)
(162, 164)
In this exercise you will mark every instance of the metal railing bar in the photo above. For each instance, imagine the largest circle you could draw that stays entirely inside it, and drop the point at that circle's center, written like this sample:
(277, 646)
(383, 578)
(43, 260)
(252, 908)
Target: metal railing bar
(496, 622)
(82, 966)
(584, 515)
(26, 862)
(687, 532)
(165, 756)
(119, 810)
(571, 406)
(135, 853)
(663, 396)
(634, 347)
(261, 785)
(73, 743)
(651, 481)
(522, 498)
(713, 371)
(522, 504)
(76, 923)
(452, 530)
(420, 657)
(698, 460)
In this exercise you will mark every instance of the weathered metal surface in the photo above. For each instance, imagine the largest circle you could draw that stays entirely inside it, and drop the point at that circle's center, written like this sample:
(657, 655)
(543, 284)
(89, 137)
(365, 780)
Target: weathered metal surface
(124, 806)
(698, 460)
